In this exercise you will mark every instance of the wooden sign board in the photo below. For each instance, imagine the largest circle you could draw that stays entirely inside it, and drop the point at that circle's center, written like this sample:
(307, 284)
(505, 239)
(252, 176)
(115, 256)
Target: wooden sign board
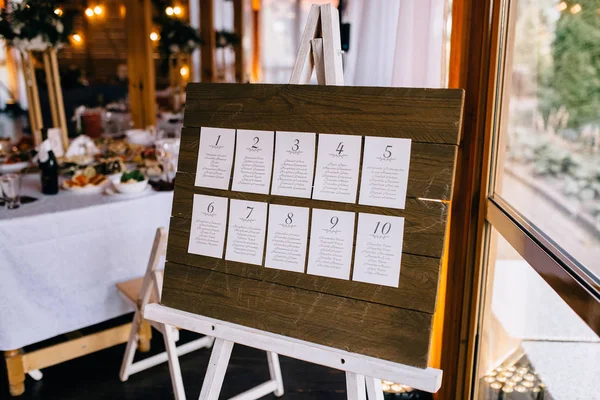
(386, 322)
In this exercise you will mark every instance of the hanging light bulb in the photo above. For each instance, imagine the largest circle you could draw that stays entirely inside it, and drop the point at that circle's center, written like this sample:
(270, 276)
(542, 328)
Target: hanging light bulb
(58, 11)
(177, 10)
(98, 10)
(169, 11)
(77, 38)
(154, 36)
(89, 12)
(576, 8)
(562, 6)
(184, 71)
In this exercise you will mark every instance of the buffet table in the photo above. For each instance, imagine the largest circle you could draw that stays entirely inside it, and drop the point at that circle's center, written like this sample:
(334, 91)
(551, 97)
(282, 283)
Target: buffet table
(61, 256)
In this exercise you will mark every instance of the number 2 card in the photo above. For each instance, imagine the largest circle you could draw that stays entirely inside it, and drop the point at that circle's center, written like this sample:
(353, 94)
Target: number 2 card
(378, 249)
(253, 161)
(385, 172)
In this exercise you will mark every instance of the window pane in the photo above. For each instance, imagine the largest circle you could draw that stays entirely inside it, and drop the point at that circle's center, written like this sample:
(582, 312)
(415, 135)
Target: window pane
(532, 345)
(549, 151)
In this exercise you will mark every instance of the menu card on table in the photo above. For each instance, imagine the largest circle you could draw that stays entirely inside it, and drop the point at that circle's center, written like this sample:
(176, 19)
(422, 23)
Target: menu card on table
(378, 249)
(330, 250)
(246, 233)
(338, 161)
(294, 164)
(215, 158)
(287, 238)
(385, 172)
(253, 161)
(209, 219)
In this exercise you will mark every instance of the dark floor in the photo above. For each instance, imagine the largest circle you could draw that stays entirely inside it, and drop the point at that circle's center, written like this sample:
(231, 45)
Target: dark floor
(96, 376)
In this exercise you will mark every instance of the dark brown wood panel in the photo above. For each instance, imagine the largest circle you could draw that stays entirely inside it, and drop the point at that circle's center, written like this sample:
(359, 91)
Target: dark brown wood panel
(424, 221)
(418, 275)
(423, 115)
(385, 332)
(430, 174)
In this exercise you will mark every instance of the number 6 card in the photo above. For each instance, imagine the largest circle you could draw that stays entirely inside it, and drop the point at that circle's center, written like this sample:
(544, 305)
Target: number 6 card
(385, 172)
(209, 219)
(378, 249)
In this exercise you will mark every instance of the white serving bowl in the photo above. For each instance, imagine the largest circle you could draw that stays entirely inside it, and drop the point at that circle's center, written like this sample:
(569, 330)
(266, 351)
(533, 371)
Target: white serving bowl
(139, 136)
(128, 188)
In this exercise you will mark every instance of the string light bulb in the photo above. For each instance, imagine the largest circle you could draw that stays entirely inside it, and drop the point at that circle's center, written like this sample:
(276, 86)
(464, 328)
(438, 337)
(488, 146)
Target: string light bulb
(58, 11)
(77, 38)
(154, 36)
(562, 6)
(89, 12)
(576, 8)
(169, 11)
(98, 10)
(177, 10)
(184, 71)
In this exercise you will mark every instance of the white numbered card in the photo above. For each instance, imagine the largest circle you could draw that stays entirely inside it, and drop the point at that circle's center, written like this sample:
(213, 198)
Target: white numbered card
(246, 232)
(287, 238)
(209, 220)
(215, 158)
(378, 249)
(331, 237)
(338, 162)
(294, 164)
(385, 172)
(253, 161)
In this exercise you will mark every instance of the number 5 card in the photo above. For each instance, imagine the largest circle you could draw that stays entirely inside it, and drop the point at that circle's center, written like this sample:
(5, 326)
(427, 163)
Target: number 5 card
(378, 249)
(385, 172)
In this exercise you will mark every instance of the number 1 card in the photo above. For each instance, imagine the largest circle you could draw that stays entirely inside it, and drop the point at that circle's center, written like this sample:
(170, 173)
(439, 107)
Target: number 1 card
(378, 249)
(385, 172)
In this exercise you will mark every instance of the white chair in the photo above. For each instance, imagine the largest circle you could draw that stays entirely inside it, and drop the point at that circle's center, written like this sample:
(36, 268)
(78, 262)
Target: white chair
(139, 292)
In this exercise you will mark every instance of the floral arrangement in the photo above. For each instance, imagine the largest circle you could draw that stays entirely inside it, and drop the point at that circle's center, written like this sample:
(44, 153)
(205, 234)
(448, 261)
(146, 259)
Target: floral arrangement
(225, 39)
(176, 36)
(34, 25)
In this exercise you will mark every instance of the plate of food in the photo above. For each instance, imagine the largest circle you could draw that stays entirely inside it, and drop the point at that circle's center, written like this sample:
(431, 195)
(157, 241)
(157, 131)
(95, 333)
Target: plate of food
(130, 182)
(14, 163)
(86, 181)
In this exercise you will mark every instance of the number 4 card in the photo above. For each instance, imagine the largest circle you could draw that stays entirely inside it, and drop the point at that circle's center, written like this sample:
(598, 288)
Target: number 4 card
(385, 172)
(378, 249)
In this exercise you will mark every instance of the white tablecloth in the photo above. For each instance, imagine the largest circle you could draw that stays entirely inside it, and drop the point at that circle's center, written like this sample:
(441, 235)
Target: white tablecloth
(61, 256)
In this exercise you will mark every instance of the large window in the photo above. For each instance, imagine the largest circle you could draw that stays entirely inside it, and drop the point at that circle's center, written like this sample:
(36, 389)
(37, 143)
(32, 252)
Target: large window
(539, 321)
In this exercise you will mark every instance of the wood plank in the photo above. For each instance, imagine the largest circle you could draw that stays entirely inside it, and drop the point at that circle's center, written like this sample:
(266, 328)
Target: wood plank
(417, 288)
(424, 224)
(389, 333)
(423, 115)
(207, 48)
(430, 175)
(62, 352)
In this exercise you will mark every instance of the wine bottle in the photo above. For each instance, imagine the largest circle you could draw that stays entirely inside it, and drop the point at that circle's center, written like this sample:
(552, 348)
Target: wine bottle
(49, 168)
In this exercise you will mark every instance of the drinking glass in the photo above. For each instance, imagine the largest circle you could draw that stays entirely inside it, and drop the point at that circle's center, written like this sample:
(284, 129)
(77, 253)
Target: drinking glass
(11, 187)
(167, 151)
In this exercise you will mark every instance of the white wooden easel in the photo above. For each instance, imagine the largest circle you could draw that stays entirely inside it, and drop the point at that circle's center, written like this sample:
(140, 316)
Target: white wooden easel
(140, 295)
(324, 55)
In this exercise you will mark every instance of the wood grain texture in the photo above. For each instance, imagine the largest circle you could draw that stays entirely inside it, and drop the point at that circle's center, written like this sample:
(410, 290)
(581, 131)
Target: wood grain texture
(430, 174)
(424, 221)
(423, 115)
(385, 332)
(417, 288)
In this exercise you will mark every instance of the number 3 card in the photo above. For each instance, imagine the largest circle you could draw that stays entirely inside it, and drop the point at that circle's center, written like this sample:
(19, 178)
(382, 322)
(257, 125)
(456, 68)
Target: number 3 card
(287, 238)
(378, 249)
(385, 172)
(246, 233)
(294, 164)
(253, 161)
(209, 219)
(338, 160)
(331, 236)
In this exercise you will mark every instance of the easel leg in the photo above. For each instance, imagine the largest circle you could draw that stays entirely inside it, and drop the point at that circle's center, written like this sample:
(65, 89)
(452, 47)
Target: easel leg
(374, 391)
(217, 366)
(275, 372)
(130, 349)
(355, 386)
(174, 368)
(16, 373)
(144, 335)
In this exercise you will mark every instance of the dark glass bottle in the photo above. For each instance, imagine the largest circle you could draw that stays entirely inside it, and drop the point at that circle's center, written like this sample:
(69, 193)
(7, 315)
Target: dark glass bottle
(49, 174)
